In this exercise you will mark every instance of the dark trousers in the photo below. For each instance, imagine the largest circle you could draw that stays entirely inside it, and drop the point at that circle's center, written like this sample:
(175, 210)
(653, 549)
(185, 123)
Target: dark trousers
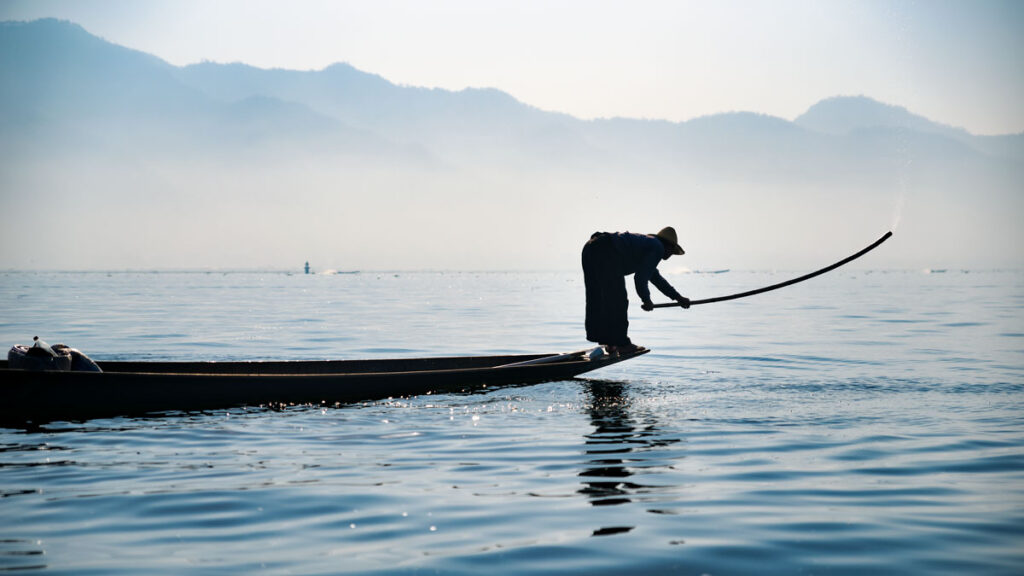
(607, 301)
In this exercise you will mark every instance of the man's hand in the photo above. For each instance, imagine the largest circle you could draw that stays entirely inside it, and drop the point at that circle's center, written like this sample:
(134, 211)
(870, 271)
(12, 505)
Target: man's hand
(647, 306)
(683, 301)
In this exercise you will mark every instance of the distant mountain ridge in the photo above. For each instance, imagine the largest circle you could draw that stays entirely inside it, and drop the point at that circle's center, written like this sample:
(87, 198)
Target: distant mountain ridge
(845, 114)
(50, 67)
(78, 113)
(848, 114)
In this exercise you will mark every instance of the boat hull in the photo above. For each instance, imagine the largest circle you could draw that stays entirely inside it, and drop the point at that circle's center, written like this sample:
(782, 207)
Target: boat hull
(134, 388)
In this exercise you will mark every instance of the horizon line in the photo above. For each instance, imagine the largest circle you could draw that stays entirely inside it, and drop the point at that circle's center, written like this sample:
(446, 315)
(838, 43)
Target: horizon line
(334, 272)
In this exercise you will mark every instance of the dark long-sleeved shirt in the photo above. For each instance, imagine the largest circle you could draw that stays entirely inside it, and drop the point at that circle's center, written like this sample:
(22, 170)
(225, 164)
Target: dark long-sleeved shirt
(640, 255)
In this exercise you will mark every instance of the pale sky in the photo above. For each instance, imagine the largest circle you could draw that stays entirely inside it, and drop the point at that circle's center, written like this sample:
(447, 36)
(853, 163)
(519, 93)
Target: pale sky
(959, 62)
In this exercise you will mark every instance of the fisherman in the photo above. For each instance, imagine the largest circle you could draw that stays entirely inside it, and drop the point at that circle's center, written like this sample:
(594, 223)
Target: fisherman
(607, 258)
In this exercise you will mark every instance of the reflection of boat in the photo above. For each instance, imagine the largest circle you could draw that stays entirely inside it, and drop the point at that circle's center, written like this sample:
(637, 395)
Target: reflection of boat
(124, 388)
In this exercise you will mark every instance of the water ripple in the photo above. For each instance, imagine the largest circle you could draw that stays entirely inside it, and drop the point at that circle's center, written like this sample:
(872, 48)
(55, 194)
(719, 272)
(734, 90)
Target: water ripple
(861, 427)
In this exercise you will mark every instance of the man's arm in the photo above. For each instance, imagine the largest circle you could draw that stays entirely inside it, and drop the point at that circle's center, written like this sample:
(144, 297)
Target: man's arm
(664, 287)
(646, 270)
(659, 281)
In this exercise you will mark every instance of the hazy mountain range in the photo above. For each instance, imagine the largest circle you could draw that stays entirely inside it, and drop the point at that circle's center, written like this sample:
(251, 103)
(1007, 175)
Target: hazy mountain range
(114, 158)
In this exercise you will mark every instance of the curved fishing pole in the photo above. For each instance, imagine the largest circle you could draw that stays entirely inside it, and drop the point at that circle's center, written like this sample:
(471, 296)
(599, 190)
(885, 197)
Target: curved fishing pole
(787, 282)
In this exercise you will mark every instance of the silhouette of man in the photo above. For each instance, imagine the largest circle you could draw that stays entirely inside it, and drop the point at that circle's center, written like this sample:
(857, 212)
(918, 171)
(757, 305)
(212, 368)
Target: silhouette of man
(607, 258)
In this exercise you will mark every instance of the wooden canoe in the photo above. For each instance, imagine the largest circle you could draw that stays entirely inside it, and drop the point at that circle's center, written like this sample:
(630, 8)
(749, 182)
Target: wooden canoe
(133, 388)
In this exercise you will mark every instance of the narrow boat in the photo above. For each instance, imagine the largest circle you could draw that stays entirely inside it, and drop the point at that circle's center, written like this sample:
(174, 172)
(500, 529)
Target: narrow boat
(134, 388)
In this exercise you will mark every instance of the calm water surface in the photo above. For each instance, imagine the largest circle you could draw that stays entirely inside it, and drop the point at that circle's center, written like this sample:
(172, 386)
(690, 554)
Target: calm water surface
(858, 423)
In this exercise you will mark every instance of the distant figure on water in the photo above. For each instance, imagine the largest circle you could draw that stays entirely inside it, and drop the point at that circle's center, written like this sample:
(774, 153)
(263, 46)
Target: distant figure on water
(307, 267)
(607, 258)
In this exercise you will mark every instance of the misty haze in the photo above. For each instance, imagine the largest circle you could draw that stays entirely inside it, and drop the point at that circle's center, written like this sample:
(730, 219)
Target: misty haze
(115, 159)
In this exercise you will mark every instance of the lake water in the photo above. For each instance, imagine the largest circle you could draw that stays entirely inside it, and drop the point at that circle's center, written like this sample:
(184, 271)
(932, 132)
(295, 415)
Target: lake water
(857, 423)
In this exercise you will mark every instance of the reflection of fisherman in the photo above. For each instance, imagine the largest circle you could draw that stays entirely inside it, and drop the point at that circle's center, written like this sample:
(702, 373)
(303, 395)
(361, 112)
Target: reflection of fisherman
(605, 476)
(609, 256)
(621, 451)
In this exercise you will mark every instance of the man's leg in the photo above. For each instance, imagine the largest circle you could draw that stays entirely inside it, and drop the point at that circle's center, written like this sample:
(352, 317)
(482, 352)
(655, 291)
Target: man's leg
(616, 303)
(595, 297)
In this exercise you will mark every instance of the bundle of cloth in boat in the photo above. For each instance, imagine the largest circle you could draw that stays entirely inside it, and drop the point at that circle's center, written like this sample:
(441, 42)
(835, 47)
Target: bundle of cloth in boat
(41, 356)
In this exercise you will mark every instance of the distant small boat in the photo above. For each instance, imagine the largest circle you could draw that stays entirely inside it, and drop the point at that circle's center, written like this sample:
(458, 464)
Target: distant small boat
(337, 272)
(722, 271)
(131, 388)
